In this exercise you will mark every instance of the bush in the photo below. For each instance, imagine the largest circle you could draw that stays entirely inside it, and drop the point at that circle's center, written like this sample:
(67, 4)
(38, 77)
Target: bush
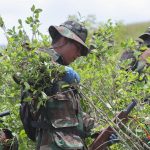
(106, 89)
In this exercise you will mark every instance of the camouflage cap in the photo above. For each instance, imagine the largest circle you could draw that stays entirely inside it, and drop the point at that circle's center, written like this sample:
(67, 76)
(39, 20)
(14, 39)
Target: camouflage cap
(146, 36)
(71, 30)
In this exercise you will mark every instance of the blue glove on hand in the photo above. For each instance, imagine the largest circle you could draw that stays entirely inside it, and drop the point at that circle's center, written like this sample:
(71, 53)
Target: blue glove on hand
(113, 139)
(71, 76)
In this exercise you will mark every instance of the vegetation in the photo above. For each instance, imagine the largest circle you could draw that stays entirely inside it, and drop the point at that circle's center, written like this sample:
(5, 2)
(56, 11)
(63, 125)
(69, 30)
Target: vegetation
(134, 30)
(106, 88)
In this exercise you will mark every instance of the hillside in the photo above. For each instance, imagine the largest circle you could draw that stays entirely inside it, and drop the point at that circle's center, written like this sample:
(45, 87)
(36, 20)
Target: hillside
(134, 30)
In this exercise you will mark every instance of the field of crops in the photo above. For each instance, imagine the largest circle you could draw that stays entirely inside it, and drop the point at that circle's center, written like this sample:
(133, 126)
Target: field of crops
(106, 88)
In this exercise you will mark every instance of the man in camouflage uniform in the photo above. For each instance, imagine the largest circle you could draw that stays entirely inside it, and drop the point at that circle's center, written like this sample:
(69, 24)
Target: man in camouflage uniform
(143, 46)
(139, 64)
(139, 59)
(146, 41)
(7, 140)
(66, 126)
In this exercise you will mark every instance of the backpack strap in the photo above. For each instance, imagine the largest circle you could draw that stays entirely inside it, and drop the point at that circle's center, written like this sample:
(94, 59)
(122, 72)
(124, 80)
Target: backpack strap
(39, 125)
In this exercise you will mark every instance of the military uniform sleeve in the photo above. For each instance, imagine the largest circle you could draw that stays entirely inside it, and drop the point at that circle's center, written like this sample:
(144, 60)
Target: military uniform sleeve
(88, 123)
(136, 64)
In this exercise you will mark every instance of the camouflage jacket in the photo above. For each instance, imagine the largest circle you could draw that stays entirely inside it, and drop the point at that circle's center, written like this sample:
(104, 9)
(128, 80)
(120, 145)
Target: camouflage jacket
(136, 64)
(67, 124)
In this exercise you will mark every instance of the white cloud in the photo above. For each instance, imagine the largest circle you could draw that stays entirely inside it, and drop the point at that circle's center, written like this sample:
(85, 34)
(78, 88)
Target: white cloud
(57, 11)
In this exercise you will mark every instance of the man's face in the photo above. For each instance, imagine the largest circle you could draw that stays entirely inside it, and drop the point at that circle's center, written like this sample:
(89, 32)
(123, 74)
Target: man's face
(2, 136)
(70, 51)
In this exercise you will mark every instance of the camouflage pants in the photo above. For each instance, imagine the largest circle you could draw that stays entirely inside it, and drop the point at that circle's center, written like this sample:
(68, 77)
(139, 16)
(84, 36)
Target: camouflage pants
(49, 143)
(52, 147)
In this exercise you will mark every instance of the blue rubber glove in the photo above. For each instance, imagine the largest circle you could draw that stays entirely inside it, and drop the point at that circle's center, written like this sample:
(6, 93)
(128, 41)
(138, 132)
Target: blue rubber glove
(71, 76)
(113, 139)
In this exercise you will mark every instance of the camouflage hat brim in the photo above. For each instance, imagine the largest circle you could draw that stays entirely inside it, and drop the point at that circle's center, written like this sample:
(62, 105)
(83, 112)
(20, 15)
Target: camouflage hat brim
(145, 36)
(53, 30)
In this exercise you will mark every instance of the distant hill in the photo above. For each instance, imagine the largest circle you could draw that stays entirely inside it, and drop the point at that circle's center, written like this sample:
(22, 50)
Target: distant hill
(133, 30)
(136, 29)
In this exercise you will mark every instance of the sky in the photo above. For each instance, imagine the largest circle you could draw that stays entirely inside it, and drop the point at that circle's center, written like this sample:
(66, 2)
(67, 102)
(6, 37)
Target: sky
(56, 12)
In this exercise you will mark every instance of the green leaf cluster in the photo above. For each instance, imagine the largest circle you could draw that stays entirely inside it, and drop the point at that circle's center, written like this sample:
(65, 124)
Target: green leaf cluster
(106, 89)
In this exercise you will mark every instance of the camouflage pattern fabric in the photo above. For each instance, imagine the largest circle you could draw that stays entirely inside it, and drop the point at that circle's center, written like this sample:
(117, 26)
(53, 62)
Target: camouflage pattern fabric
(137, 65)
(6, 141)
(65, 115)
(72, 30)
(69, 34)
(67, 124)
(146, 37)
(9, 144)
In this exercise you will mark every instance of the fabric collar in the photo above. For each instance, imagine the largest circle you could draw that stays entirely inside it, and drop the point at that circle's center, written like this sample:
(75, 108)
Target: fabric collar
(55, 56)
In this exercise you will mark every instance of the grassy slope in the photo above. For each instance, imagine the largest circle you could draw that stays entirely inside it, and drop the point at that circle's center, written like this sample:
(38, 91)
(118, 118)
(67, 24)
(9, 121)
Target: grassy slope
(134, 30)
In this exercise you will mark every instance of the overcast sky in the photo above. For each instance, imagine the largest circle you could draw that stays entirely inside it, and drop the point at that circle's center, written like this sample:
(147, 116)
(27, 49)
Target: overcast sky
(57, 11)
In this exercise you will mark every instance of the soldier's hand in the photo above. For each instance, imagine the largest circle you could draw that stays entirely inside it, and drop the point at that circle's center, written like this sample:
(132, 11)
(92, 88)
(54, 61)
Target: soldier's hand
(71, 76)
(145, 55)
(113, 139)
